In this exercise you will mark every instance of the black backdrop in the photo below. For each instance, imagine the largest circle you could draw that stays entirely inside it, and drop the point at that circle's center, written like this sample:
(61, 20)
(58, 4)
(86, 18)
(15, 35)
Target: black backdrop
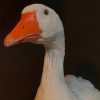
(21, 66)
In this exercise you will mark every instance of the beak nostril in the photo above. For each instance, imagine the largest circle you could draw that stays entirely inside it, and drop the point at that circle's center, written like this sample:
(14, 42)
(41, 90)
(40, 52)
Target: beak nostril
(23, 27)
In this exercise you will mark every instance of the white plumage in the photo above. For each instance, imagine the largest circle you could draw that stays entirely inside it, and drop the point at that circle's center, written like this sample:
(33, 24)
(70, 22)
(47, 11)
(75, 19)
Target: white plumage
(53, 85)
(83, 88)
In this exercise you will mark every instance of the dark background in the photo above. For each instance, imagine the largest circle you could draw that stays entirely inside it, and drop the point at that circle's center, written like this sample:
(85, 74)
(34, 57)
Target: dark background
(21, 66)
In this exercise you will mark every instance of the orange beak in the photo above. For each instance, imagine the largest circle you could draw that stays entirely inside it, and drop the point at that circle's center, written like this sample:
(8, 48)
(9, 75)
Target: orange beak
(27, 30)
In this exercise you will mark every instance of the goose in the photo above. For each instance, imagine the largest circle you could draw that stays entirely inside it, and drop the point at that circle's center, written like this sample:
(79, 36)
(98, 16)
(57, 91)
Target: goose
(40, 24)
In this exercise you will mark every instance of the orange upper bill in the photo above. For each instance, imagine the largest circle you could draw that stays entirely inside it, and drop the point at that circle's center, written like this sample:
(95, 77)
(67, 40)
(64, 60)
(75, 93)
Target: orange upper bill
(27, 30)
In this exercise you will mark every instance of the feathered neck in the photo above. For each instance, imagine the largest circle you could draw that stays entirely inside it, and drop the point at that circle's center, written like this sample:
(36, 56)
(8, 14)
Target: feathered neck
(53, 61)
(53, 85)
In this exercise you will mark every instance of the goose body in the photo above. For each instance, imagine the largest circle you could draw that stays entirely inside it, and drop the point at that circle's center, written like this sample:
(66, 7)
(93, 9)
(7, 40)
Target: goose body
(41, 25)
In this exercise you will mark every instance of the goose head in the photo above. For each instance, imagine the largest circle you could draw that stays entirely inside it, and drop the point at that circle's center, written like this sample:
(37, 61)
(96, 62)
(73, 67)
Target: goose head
(38, 24)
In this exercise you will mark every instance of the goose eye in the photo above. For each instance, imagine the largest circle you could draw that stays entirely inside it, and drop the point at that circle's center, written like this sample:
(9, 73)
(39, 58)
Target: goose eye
(46, 12)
